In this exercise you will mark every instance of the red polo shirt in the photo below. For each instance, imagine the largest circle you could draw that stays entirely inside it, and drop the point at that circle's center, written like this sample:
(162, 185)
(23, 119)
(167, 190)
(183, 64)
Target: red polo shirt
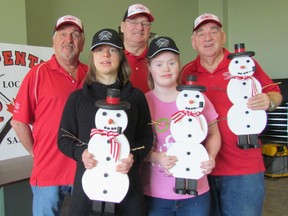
(139, 69)
(40, 102)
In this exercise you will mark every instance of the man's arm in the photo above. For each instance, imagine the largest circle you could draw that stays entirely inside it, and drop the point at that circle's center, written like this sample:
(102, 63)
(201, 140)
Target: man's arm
(262, 101)
(212, 145)
(24, 133)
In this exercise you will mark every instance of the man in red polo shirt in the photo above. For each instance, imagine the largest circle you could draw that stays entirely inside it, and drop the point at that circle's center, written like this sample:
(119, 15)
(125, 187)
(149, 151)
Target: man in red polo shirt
(39, 103)
(237, 181)
(136, 26)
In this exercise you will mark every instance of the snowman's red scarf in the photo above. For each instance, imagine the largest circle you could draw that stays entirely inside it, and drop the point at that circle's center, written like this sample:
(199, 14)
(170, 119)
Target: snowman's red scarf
(114, 146)
(181, 113)
(253, 84)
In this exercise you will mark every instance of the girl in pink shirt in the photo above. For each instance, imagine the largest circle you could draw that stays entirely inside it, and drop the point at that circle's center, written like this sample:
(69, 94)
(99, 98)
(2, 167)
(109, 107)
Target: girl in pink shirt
(158, 183)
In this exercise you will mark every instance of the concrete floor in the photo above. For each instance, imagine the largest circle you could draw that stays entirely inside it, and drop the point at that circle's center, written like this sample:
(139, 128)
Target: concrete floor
(276, 199)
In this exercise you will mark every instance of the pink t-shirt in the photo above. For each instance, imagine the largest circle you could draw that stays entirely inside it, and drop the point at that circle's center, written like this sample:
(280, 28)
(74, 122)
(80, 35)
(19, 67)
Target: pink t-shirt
(155, 182)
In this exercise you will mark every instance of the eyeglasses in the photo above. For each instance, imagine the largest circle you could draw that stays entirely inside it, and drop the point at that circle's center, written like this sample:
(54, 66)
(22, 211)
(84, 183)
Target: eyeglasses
(136, 23)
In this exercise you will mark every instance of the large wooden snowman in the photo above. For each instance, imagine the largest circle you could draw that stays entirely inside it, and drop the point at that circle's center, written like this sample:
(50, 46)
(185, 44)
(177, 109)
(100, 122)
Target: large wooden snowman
(242, 121)
(109, 145)
(188, 128)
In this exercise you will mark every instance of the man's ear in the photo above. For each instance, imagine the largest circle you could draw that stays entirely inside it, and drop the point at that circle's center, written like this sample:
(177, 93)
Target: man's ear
(121, 27)
(192, 42)
(223, 38)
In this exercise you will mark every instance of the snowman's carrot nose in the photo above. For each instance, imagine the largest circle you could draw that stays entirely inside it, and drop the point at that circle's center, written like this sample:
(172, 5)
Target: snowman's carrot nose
(242, 66)
(191, 101)
(110, 121)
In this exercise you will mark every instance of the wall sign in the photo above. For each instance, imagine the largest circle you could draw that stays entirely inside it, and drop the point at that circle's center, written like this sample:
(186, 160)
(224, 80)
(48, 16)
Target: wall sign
(15, 62)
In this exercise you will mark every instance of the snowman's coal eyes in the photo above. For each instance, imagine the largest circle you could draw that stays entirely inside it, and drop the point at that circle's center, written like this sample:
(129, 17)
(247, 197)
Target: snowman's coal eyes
(185, 95)
(197, 96)
(104, 113)
(236, 62)
(248, 61)
(118, 115)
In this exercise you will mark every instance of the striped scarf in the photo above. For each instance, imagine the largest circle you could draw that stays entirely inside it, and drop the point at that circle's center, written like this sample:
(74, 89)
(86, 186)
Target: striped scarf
(114, 146)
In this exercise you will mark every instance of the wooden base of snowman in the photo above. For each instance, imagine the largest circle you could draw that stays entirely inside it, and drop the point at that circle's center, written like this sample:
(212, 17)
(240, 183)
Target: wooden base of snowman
(187, 170)
(186, 186)
(248, 141)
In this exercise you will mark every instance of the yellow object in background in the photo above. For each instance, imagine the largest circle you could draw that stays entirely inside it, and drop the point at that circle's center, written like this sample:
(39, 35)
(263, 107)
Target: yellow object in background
(274, 150)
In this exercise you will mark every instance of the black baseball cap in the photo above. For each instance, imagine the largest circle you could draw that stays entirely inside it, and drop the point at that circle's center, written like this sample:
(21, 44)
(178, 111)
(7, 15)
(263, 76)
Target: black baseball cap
(107, 36)
(161, 44)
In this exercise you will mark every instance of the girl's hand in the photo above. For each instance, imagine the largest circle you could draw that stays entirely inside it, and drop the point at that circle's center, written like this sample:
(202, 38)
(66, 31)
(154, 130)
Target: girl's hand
(125, 164)
(88, 160)
(166, 161)
(208, 166)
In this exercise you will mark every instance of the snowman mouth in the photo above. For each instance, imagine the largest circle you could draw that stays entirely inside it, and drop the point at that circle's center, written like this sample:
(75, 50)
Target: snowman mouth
(244, 73)
(191, 108)
(110, 128)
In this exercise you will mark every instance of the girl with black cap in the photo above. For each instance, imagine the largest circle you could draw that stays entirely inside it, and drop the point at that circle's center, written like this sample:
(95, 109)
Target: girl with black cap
(108, 70)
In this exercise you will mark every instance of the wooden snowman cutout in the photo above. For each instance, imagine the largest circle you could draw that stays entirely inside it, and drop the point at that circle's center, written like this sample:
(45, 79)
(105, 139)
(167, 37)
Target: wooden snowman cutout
(109, 145)
(244, 122)
(188, 128)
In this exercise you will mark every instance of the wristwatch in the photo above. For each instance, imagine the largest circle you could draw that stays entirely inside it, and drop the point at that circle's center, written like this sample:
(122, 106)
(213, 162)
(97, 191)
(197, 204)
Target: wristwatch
(271, 106)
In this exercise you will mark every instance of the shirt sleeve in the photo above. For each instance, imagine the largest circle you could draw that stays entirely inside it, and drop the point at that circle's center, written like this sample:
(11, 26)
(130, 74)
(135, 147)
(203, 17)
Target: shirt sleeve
(209, 111)
(25, 103)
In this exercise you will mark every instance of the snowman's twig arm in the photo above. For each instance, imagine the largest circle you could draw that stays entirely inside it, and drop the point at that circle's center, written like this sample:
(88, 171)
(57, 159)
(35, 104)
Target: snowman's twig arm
(70, 135)
(278, 83)
(214, 122)
(138, 148)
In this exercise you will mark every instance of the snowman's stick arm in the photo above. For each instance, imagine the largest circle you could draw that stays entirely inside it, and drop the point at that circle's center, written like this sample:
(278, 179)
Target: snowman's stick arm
(214, 122)
(278, 83)
(138, 148)
(68, 134)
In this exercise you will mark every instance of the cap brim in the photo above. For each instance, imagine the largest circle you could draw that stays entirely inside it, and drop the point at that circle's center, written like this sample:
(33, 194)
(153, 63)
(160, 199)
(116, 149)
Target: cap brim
(68, 23)
(123, 105)
(248, 53)
(161, 50)
(191, 87)
(105, 43)
(207, 21)
(150, 17)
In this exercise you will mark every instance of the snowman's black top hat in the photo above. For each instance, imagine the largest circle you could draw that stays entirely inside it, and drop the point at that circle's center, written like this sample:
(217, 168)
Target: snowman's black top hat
(240, 51)
(191, 84)
(112, 101)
